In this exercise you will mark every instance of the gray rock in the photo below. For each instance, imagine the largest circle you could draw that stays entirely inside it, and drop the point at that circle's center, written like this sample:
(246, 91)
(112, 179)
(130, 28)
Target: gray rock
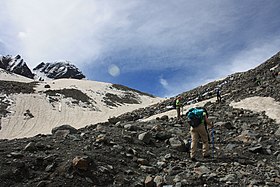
(71, 129)
(277, 133)
(159, 180)
(30, 147)
(229, 177)
(131, 127)
(145, 137)
(177, 144)
(149, 182)
(148, 169)
(164, 118)
(256, 149)
(163, 136)
(202, 170)
(230, 146)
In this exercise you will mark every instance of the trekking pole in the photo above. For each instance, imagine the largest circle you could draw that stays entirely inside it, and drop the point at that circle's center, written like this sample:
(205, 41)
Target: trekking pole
(213, 147)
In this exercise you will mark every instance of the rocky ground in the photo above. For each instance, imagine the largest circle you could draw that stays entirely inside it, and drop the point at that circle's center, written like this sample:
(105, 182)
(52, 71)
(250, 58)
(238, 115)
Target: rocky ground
(127, 152)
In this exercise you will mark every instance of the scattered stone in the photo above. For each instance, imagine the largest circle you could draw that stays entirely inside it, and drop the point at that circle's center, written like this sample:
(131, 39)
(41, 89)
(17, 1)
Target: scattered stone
(164, 118)
(256, 149)
(71, 129)
(145, 137)
(277, 133)
(159, 181)
(149, 182)
(228, 178)
(16, 155)
(30, 147)
(81, 163)
(177, 144)
(148, 169)
(201, 170)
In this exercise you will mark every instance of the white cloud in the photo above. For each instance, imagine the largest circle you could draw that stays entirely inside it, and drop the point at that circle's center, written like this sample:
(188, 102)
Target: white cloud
(22, 35)
(163, 82)
(74, 30)
(254, 55)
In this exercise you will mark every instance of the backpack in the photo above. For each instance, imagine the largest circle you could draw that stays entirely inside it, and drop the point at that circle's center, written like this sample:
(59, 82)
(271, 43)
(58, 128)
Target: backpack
(195, 116)
(203, 108)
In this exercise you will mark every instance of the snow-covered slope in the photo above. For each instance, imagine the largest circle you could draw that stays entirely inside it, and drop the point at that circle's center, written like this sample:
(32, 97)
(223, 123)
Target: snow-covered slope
(65, 101)
(8, 76)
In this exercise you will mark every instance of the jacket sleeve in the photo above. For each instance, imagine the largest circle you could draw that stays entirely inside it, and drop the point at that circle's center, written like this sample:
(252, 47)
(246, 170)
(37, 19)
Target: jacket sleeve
(208, 121)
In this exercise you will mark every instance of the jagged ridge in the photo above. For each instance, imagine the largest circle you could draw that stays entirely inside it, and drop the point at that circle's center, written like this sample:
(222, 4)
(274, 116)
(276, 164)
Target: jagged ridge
(16, 65)
(58, 70)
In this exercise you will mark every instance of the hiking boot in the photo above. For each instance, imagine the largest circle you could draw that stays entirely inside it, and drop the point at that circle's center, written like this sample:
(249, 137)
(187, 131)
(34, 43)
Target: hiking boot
(193, 159)
(206, 156)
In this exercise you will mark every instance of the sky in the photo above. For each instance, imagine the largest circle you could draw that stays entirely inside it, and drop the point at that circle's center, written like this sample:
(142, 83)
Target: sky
(161, 47)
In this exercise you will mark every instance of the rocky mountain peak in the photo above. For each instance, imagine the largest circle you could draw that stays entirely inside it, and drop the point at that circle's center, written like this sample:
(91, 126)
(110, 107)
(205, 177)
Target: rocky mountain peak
(15, 65)
(58, 70)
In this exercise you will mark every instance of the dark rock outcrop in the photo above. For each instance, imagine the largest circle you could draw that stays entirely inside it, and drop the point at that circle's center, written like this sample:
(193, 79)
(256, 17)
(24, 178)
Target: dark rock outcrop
(59, 70)
(15, 65)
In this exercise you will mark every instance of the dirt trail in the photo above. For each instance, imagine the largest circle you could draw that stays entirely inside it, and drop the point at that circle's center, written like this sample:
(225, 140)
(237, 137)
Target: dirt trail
(173, 113)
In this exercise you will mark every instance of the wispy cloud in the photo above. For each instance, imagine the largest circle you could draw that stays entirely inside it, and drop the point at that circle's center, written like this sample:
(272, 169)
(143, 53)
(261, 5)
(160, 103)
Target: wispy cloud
(163, 82)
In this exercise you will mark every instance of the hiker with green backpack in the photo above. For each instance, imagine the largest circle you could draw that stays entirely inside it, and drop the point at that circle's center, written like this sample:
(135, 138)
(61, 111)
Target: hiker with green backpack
(197, 118)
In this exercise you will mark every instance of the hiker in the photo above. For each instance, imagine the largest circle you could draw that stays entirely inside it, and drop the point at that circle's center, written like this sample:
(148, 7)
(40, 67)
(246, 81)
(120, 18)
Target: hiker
(257, 81)
(218, 93)
(178, 107)
(199, 97)
(197, 130)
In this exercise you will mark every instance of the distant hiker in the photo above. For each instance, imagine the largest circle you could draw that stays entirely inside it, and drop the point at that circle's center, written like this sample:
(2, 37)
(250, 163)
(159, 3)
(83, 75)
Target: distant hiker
(199, 97)
(178, 107)
(257, 81)
(218, 94)
(197, 117)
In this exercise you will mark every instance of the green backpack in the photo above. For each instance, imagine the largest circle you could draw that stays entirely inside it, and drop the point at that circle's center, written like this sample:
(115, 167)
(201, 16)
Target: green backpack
(195, 116)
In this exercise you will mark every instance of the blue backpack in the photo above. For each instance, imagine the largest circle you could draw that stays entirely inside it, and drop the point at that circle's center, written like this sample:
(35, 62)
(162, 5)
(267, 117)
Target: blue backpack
(195, 116)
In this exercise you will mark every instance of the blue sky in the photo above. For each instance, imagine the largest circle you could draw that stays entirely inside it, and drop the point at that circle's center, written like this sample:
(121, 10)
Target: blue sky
(161, 47)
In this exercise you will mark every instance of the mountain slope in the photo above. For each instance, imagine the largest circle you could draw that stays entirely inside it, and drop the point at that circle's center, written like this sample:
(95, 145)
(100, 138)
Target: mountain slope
(148, 147)
(263, 81)
(65, 101)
